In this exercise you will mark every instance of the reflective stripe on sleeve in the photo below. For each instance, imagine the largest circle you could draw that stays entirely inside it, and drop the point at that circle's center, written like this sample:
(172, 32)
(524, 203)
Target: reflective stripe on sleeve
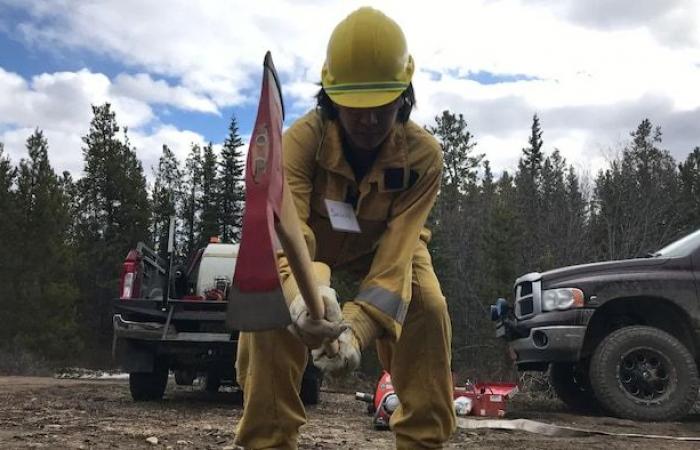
(386, 301)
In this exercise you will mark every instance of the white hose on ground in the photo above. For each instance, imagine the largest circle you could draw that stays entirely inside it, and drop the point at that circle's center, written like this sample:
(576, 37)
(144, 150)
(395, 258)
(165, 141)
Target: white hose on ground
(532, 426)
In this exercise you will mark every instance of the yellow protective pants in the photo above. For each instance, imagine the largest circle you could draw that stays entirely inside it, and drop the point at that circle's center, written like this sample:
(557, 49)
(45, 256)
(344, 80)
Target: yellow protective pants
(270, 366)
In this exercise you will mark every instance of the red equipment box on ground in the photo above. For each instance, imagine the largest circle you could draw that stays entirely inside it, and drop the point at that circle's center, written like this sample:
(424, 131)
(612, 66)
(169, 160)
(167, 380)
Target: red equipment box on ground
(488, 399)
(485, 399)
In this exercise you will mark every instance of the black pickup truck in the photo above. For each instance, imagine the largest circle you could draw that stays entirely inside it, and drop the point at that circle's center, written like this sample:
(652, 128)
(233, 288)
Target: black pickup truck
(623, 336)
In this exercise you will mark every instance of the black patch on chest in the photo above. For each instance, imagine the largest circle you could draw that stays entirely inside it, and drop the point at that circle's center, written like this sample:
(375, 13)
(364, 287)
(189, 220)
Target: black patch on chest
(393, 179)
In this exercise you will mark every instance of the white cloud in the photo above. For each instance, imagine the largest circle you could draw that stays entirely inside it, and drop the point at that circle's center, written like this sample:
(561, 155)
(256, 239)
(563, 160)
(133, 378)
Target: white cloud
(594, 68)
(64, 148)
(142, 87)
(672, 22)
(149, 146)
(60, 105)
(62, 101)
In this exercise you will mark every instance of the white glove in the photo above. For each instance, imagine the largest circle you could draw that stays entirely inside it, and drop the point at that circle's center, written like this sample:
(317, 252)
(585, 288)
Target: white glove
(312, 332)
(342, 363)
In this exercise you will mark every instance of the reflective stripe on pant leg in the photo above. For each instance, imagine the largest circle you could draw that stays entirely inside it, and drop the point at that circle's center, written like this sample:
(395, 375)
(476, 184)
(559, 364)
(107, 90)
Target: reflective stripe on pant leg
(420, 364)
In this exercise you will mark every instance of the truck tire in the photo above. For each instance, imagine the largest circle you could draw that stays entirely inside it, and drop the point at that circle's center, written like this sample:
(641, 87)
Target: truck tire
(212, 382)
(644, 373)
(184, 377)
(149, 386)
(311, 387)
(571, 384)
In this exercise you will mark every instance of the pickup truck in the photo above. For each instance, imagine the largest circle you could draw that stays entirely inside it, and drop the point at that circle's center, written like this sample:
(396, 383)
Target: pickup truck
(621, 336)
(180, 326)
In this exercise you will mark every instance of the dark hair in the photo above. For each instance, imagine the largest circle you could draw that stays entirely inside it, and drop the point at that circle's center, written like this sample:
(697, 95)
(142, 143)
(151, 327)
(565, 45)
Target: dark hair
(328, 111)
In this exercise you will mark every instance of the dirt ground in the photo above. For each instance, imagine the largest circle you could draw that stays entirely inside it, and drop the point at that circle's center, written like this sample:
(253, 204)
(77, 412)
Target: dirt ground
(59, 413)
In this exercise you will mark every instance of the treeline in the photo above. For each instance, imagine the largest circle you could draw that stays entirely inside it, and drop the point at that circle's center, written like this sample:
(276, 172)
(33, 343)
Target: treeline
(63, 241)
(489, 230)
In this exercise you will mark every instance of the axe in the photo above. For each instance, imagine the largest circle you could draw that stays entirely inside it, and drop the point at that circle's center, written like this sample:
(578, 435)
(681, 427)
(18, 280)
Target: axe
(256, 301)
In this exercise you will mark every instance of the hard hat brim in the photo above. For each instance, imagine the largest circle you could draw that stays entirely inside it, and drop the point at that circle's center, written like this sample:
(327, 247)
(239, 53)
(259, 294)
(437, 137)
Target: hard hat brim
(364, 99)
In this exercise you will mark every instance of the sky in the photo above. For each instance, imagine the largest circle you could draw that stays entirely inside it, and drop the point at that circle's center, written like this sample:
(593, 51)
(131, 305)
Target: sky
(176, 71)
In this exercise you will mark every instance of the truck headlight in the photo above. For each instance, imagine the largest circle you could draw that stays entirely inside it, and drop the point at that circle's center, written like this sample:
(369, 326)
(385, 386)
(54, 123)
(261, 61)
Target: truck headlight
(564, 298)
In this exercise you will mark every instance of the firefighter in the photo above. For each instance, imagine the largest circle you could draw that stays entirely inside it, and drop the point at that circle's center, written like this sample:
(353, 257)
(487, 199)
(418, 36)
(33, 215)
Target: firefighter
(364, 179)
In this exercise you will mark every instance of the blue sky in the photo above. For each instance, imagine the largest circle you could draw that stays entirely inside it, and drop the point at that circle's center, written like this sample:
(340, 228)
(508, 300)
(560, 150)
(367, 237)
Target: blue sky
(28, 61)
(176, 71)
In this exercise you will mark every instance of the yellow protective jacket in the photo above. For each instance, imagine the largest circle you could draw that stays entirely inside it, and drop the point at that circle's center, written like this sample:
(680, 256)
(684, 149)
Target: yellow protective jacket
(392, 203)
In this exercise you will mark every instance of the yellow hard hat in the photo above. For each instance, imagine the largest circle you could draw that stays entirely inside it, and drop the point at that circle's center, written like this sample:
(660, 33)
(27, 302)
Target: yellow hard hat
(367, 61)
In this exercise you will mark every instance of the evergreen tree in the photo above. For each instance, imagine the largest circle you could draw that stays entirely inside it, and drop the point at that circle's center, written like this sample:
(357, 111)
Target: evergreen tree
(114, 216)
(45, 289)
(456, 226)
(635, 198)
(134, 212)
(7, 228)
(501, 241)
(209, 225)
(460, 161)
(553, 211)
(7, 175)
(689, 178)
(530, 164)
(231, 185)
(577, 247)
(70, 189)
(8, 242)
(528, 181)
(167, 193)
(191, 199)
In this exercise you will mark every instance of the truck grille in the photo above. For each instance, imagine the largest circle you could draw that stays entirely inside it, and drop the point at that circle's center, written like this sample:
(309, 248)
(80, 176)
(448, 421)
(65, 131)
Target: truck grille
(525, 298)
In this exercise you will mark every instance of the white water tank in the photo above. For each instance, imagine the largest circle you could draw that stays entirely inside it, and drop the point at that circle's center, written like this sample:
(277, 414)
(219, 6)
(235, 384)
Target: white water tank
(218, 263)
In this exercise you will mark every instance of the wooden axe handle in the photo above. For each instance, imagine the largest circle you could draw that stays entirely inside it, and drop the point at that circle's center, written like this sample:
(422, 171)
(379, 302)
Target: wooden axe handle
(297, 253)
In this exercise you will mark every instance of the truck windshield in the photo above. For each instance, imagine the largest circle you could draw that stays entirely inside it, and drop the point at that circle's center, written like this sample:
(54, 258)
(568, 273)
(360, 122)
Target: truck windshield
(681, 247)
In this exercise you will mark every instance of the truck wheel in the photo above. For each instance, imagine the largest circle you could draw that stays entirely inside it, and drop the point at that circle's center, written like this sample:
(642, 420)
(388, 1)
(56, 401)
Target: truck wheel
(148, 386)
(212, 382)
(311, 381)
(184, 377)
(571, 384)
(644, 373)
(311, 387)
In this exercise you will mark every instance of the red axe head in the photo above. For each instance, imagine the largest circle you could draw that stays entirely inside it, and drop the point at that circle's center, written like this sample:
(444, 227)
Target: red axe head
(256, 301)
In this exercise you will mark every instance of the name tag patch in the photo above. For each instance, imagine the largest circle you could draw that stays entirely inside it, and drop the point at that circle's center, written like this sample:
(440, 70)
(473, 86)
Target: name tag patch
(342, 216)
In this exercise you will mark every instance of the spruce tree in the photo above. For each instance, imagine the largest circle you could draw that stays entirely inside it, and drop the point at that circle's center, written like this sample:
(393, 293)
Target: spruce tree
(114, 217)
(209, 203)
(46, 292)
(578, 248)
(167, 193)
(134, 212)
(553, 211)
(231, 192)
(191, 200)
(7, 222)
(528, 180)
(635, 198)
(8, 246)
(459, 159)
(689, 179)
(456, 229)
